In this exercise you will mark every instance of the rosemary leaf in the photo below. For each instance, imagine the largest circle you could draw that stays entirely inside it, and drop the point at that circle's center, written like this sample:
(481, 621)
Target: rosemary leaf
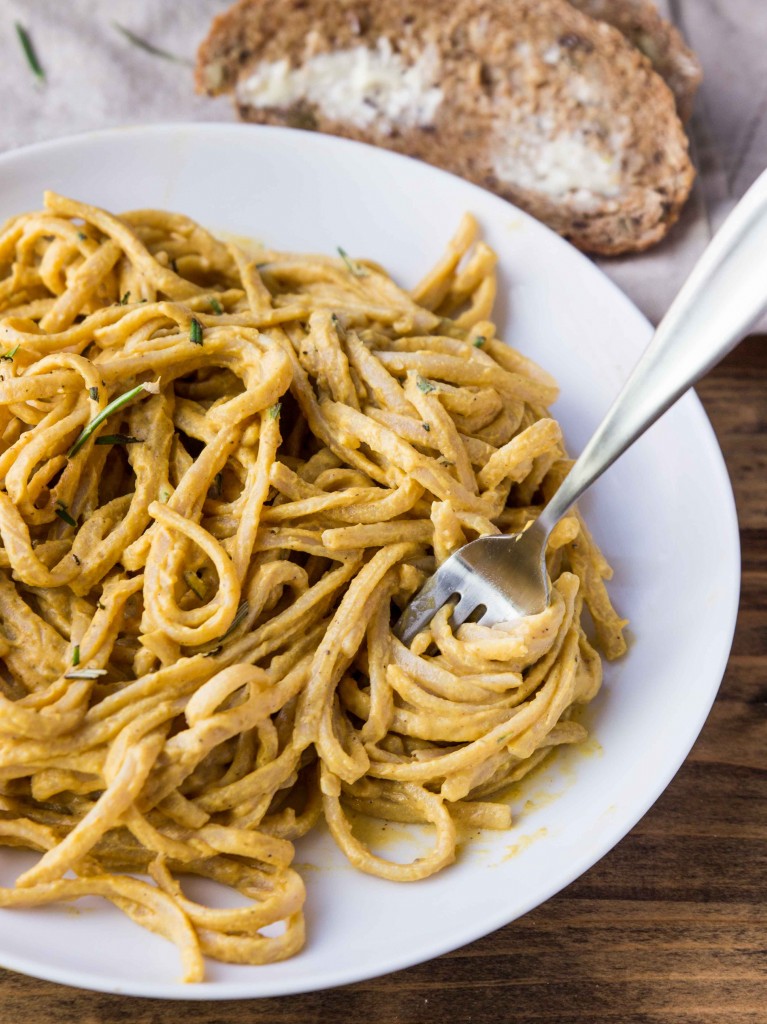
(76, 655)
(352, 265)
(125, 299)
(148, 47)
(239, 618)
(62, 512)
(29, 52)
(8, 357)
(119, 439)
(195, 584)
(216, 306)
(195, 332)
(85, 673)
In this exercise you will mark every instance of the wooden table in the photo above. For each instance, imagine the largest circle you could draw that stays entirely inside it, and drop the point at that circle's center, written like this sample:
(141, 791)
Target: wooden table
(669, 928)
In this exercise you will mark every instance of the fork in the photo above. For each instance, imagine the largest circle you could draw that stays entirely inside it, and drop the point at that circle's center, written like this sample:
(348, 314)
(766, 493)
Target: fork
(500, 578)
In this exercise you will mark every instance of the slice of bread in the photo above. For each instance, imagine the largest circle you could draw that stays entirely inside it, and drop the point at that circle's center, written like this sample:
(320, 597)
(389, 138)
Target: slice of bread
(530, 98)
(660, 41)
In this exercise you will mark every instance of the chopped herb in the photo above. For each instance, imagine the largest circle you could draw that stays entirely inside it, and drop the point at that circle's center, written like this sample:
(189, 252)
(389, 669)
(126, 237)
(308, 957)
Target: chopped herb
(119, 439)
(125, 299)
(62, 512)
(75, 559)
(195, 332)
(479, 341)
(352, 265)
(239, 618)
(29, 52)
(216, 306)
(82, 236)
(424, 385)
(195, 584)
(142, 44)
(274, 410)
(76, 655)
(164, 496)
(86, 673)
(426, 427)
(8, 357)
(94, 393)
(117, 403)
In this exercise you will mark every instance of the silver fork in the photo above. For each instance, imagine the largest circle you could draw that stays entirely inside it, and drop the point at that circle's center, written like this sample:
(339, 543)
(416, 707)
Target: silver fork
(499, 578)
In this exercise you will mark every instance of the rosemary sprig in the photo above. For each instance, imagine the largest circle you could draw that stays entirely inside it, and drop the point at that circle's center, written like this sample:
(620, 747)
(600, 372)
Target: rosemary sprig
(85, 673)
(148, 47)
(62, 512)
(119, 439)
(352, 265)
(29, 52)
(114, 406)
(195, 332)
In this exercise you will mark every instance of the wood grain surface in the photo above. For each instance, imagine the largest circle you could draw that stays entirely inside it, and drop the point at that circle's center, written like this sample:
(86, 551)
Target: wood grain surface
(669, 928)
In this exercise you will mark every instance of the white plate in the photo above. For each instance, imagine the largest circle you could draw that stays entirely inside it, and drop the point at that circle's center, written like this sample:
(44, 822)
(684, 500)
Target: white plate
(664, 516)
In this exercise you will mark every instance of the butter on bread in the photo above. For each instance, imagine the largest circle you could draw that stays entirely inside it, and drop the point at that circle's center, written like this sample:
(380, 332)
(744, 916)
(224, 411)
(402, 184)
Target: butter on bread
(551, 109)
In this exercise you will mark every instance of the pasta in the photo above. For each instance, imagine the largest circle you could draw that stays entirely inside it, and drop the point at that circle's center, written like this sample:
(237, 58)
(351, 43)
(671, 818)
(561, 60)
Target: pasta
(222, 473)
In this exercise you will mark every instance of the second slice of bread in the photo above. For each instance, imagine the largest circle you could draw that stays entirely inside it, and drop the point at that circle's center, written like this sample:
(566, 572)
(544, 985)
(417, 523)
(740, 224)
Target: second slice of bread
(531, 98)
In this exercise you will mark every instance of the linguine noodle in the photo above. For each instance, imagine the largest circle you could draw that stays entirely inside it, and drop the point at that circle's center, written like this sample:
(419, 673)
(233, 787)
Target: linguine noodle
(222, 474)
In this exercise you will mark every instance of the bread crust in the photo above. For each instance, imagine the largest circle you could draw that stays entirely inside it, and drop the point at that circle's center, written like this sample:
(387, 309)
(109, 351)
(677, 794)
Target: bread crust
(660, 41)
(517, 76)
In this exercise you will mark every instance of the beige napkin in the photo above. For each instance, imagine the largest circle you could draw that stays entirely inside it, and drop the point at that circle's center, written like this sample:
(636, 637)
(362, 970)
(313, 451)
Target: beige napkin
(95, 78)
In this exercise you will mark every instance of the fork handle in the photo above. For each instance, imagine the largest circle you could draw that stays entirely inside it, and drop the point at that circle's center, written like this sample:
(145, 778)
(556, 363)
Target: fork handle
(722, 298)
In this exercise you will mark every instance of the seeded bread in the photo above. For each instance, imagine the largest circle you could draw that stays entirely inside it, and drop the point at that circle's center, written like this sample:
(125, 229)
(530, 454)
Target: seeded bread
(533, 99)
(659, 40)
